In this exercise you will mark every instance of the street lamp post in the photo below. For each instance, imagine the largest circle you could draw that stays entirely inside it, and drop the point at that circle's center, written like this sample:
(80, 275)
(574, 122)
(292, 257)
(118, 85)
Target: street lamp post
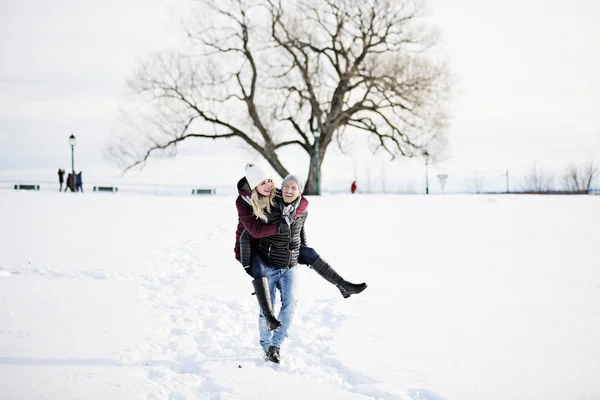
(426, 154)
(317, 135)
(72, 142)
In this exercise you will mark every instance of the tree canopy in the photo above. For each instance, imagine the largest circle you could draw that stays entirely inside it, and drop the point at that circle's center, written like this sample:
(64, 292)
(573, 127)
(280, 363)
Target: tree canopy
(272, 73)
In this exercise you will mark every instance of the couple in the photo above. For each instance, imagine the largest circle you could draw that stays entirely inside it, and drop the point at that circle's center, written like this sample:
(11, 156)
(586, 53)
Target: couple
(270, 243)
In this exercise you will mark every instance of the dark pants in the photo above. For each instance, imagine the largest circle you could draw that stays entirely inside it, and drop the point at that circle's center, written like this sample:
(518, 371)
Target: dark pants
(308, 256)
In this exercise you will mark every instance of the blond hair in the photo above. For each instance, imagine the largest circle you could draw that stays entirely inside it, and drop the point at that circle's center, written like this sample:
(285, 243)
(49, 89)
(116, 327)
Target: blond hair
(261, 203)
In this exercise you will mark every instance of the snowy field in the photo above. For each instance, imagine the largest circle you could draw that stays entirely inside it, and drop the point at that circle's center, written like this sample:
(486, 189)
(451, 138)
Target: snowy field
(122, 296)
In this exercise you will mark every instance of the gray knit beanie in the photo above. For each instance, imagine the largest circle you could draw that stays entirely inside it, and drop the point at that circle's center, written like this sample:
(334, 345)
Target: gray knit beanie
(292, 177)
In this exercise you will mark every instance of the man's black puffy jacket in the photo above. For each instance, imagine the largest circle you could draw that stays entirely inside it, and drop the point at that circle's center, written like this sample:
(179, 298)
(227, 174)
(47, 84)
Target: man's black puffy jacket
(283, 249)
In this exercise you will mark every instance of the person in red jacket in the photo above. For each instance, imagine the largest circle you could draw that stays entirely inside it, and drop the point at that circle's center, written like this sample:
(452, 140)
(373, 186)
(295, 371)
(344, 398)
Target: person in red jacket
(69, 183)
(353, 187)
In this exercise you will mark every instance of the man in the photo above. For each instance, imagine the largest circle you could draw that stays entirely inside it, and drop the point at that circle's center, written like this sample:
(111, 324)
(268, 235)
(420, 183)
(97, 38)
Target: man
(277, 256)
(61, 178)
(78, 182)
(70, 184)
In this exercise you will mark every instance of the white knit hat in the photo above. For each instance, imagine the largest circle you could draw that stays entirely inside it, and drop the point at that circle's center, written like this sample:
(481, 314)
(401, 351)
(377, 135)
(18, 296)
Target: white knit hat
(255, 175)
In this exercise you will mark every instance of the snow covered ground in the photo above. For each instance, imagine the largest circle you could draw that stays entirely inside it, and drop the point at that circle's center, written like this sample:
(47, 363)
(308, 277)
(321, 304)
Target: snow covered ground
(124, 296)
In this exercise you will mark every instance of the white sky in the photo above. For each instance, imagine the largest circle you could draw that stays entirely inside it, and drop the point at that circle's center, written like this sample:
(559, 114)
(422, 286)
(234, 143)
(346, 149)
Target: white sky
(527, 91)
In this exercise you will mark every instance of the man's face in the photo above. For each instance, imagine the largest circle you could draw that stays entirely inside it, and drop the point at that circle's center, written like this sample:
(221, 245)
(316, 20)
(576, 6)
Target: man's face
(290, 191)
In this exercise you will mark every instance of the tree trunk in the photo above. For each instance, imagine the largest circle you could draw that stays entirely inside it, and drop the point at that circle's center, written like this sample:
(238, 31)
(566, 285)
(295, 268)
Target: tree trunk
(310, 187)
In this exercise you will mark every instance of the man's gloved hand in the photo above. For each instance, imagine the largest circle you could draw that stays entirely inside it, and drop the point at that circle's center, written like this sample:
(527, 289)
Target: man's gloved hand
(283, 227)
(248, 270)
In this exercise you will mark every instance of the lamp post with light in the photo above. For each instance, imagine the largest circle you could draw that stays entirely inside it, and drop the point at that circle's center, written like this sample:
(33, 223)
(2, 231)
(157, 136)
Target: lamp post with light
(72, 142)
(317, 135)
(426, 154)
(506, 174)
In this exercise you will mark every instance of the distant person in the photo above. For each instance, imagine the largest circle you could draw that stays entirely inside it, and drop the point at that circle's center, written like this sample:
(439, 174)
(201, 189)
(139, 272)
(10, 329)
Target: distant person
(78, 182)
(69, 182)
(353, 187)
(61, 178)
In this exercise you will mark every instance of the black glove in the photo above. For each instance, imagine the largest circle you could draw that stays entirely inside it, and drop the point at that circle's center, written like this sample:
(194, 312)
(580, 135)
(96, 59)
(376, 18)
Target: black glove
(283, 227)
(248, 270)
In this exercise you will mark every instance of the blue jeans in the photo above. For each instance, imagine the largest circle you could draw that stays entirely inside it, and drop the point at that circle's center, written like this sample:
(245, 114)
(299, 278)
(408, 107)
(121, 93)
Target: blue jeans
(286, 281)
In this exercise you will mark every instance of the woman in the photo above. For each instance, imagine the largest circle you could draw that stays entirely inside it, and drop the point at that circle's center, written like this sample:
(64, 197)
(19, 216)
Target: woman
(275, 262)
(256, 190)
(255, 204)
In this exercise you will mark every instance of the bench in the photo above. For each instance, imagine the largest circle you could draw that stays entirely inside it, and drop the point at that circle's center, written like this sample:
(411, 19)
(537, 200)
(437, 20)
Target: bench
(105, 189)
(203, 191)
(27, 187)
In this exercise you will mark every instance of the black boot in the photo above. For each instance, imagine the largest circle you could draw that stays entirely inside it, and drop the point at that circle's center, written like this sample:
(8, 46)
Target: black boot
(263, 295)
(346, 288)
(273, 354)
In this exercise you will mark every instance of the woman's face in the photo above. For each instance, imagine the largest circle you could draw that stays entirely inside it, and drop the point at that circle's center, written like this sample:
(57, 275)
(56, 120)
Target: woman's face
(264, 188)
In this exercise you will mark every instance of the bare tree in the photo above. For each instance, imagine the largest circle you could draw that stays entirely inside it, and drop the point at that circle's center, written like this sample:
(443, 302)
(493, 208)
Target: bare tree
(410, 188)
(537, 181)
(475, 184)
(367, 181)
(383, 177)
(580, 178)
(272, 72)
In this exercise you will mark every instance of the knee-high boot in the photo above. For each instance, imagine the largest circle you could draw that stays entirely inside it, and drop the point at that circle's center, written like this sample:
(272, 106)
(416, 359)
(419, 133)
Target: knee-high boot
(263, 295)
(346, 288)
